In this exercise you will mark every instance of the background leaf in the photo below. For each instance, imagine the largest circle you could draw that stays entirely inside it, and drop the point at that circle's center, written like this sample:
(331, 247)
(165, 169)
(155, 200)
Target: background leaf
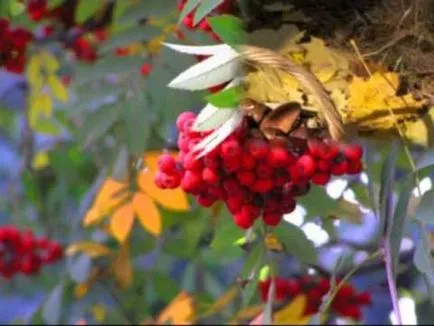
(52, 308)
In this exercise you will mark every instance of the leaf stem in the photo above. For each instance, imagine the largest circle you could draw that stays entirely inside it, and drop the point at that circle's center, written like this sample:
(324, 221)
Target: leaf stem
(391, 282)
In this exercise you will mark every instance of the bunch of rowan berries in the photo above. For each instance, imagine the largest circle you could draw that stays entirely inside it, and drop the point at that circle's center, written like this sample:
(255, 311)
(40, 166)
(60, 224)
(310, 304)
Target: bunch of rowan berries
(22, 252)
(253, 176)
(225, 7)
(347, 302)
(13, 45)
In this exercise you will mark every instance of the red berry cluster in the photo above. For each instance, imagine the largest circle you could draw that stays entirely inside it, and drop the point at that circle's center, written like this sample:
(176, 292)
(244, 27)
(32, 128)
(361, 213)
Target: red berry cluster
(13, 45)
(253, 176)
(224, 8)
(21, 252)
(64, 13)
(347, 302)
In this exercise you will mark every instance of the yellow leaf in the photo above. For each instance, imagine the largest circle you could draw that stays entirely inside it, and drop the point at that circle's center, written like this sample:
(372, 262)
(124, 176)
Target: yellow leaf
(34, 74)
(147, 212)
(99, 312)
(40, 105)
(40, 161)
(122, 222)
(58, 89)
(179, 310)
(80, 290)
(110, 195)
(51, 64)
(293, 313)
(92, 249)
(93, 215)
(122, 268)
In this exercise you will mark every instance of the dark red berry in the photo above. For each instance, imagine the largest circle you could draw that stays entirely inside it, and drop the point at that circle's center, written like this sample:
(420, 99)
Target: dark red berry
(353, 152)
(321, 179)
(272, 219)
(258, 148)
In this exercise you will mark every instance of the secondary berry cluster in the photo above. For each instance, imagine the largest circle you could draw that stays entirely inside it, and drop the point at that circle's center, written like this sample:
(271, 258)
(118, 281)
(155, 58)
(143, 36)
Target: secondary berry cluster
(253, 176)
(225, 7)
(22, 252)
(347, 302)
(13, 45)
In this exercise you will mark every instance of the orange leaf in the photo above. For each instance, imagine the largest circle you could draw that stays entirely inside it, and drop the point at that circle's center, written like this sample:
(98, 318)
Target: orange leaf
(122, 222)
(147, 212)
(179, 311)
(174, 199)
(110, 195)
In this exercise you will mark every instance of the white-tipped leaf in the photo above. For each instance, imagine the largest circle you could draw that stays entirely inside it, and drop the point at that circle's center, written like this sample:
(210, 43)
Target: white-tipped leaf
(220, 134)
(199, 50)
(211, 72)
(212, 117)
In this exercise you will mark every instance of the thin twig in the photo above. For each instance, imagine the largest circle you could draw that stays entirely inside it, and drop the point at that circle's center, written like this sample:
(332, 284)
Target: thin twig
(391, 282)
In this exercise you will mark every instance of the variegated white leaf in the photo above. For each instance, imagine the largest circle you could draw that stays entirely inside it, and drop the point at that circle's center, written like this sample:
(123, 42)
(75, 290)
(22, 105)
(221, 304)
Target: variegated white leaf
(220, 134)
(212, 117)
(213, 71)
(199, 50)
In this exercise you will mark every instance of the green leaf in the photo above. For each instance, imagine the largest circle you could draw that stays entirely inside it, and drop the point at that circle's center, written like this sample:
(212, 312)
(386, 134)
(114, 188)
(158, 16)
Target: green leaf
(370, 163)
(86, 9)
(130, 35)
(251, 272)
(51, 310)
(165, 286)
(229, 29)
(424, 211)
(79, 268)
(205, 8)
(146, 9)
(98, 123)
(16, 8)
(193, 230)
(108, 65)
(120, 168)
(387, 178)
(396, 230)
(48, 126)
(422, 258)
(228, 98)
(296, 242)
(138, 120)
(188, 7)
(226, 233)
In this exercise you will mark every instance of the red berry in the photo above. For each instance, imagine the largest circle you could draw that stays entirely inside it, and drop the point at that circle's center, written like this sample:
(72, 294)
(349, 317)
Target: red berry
(217, 88)
(262, 185)
(263, 170)
(246, 178)
(272, 206)
(204, 25)
(205, 201)
(231, 165)
(314, 295)
(351, 311)
(166, 163)
(287, 205)
(354, 167)
(191, 163)
(232, 187)
(346, 291)
(234, 204)
(145, 69)
(321, 179)
(324, 285)
(323, 166)
(248, 162)
(272, 219)
(211, 162)
(171, 181)
(258, 148)
(363, 298)
(188, 21)
(353, 152)
(292, 287)
(250, 211)
(210, 176)
(339, 168)
(231, 149)
(243, 221)
(279, 157)
(305, 166)
(191, 181)
(183, 117)
(37, 9)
